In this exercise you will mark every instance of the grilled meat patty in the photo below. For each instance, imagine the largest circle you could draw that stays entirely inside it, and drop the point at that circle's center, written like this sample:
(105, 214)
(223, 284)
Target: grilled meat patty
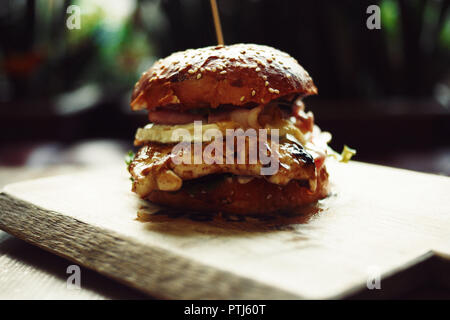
(153, 167)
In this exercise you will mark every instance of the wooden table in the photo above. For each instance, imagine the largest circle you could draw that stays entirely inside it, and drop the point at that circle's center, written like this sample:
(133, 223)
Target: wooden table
(28, 272)
(402, 226)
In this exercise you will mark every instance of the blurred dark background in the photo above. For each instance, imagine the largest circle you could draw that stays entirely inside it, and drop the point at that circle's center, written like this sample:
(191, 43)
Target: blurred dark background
(64, 94)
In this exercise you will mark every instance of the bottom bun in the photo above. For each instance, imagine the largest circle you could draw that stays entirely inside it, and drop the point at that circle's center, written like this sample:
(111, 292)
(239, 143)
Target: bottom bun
(227, 194)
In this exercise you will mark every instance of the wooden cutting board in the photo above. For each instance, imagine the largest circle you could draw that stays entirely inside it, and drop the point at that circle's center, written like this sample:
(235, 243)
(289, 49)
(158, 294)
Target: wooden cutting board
(377, 218)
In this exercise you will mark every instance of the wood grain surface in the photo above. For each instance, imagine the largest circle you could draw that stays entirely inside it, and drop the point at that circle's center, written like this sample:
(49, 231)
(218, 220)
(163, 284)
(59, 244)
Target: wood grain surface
(377, 217)
(28, 272)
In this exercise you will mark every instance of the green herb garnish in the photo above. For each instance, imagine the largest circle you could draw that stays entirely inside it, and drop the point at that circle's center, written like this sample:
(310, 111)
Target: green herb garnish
(129, 158)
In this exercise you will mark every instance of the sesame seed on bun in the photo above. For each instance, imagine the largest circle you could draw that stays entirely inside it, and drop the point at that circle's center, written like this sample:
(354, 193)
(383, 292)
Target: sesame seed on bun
(239, 75)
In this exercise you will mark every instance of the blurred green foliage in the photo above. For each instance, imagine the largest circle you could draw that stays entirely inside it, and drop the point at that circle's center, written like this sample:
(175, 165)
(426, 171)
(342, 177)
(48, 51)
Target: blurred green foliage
(110, 49)
(41, 58)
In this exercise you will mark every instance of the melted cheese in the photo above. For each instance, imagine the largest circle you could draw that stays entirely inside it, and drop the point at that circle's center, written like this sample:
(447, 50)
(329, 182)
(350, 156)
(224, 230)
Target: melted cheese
(163, 133)
(186, 132)
(288, 130)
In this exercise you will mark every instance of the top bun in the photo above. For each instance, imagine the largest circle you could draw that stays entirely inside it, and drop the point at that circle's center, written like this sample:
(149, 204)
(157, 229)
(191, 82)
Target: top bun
(239, 74)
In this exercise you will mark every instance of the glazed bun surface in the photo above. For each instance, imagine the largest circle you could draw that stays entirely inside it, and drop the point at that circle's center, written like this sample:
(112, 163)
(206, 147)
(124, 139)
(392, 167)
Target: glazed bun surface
(255, 197)
(240, 75)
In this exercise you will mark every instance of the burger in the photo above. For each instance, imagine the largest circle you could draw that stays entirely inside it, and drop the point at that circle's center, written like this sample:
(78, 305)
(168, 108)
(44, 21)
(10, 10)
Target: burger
(244, 88)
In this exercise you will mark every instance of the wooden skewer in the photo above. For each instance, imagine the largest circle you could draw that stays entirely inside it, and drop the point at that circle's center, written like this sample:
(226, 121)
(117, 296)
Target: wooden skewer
(217, 25)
